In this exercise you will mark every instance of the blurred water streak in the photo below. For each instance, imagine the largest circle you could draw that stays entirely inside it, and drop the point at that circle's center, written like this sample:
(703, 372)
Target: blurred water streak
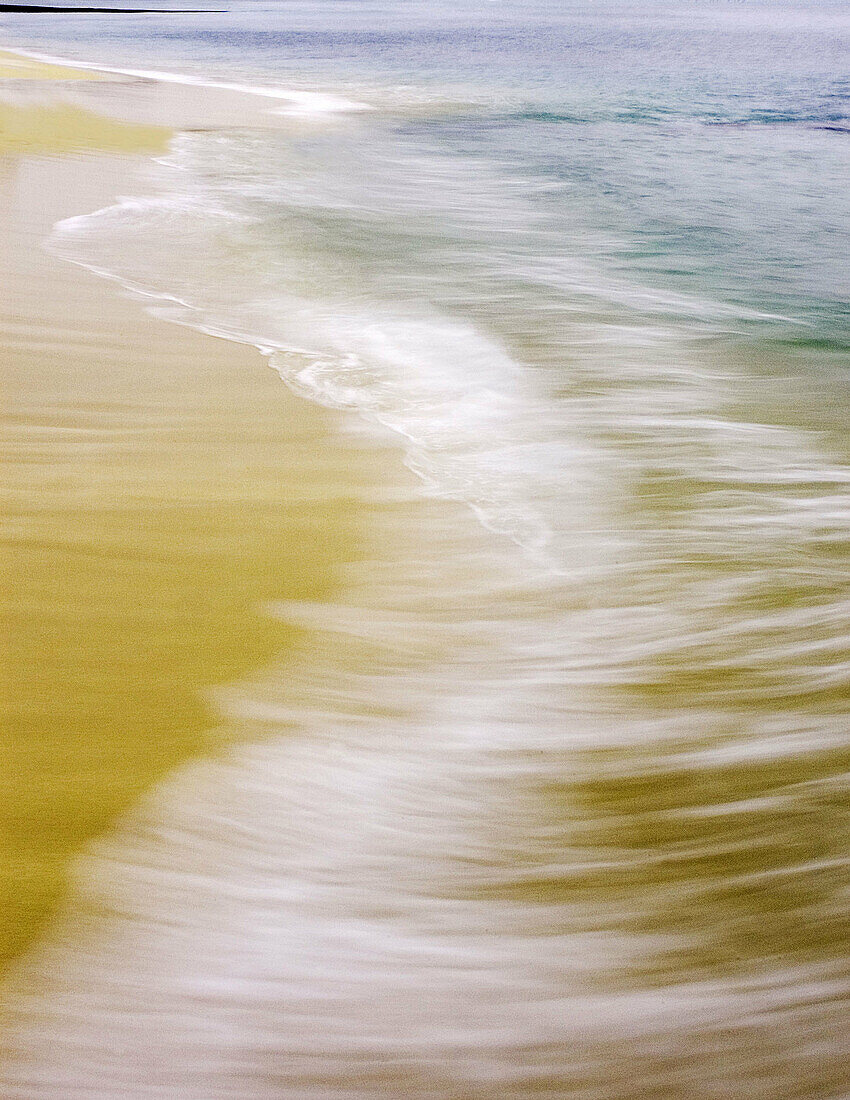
(556, 802)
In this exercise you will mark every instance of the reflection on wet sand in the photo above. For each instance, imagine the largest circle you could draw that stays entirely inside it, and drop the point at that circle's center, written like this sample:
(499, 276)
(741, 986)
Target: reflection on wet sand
(161, 487)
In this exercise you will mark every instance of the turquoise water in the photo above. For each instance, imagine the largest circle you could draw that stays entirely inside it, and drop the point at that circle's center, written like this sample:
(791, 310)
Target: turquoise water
(558, 806)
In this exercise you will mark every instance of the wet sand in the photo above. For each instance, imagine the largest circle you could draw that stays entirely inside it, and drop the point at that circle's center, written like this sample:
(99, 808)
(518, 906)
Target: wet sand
(162, 486)
(15, 66)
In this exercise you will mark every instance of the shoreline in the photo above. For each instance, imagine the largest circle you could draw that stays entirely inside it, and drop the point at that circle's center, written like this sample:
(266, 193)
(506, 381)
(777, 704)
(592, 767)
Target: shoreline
(303, 101)
(165, 487)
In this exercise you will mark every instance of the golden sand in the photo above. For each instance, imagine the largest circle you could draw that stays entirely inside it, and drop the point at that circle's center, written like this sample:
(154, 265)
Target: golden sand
(17, 66)
(161, 487)
(53, 126)
(58, 128)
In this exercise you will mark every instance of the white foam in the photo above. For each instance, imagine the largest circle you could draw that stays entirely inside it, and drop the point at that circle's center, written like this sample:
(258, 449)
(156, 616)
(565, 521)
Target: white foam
(475, 430)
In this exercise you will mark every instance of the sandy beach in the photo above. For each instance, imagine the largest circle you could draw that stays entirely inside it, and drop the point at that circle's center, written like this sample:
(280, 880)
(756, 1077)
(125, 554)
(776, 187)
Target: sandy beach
(426, 518)
(161, 486)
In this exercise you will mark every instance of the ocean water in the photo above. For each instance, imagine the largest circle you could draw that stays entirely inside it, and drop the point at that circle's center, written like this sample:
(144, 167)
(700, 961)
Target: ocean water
(556, 805)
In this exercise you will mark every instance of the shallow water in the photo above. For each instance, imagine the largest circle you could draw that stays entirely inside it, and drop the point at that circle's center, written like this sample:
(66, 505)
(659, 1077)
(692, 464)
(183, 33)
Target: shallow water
(556, 803)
